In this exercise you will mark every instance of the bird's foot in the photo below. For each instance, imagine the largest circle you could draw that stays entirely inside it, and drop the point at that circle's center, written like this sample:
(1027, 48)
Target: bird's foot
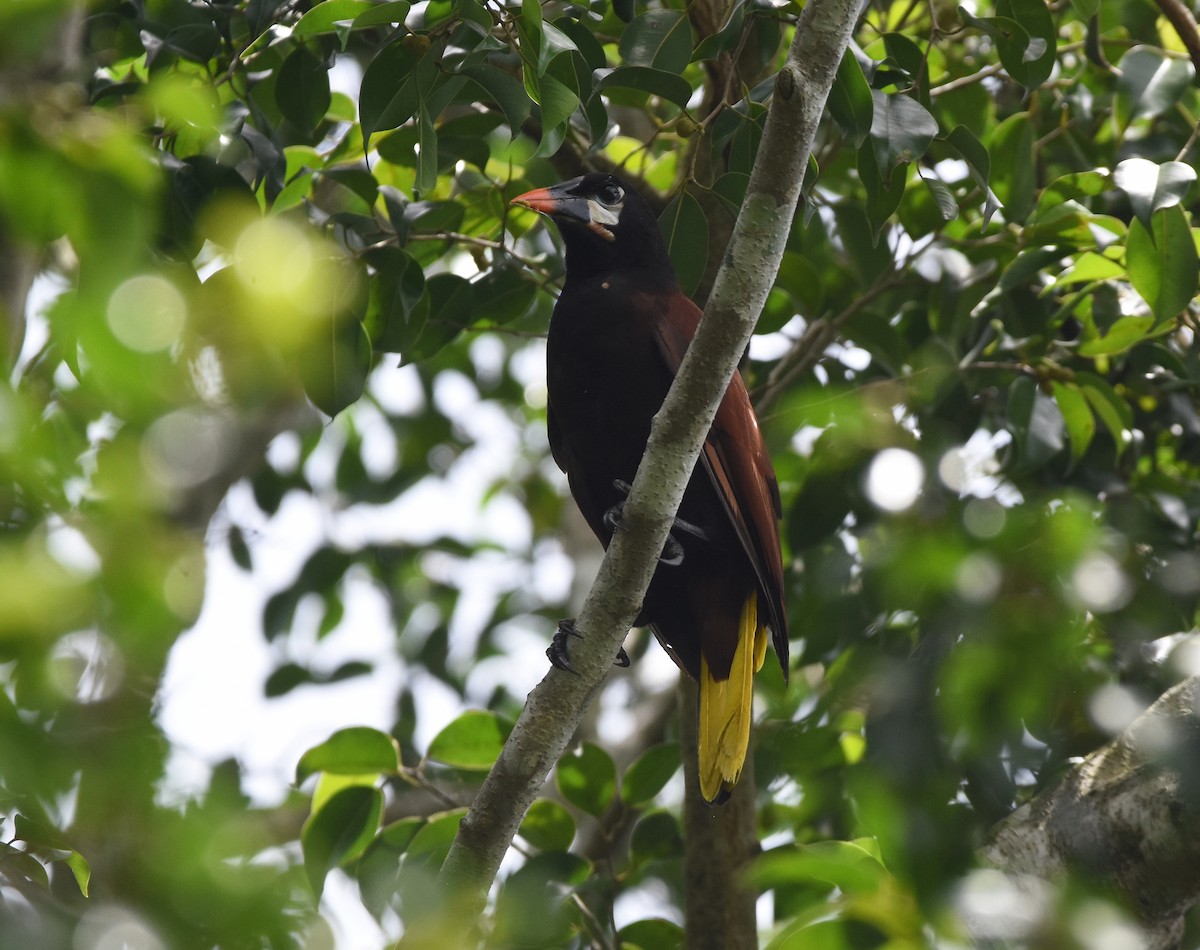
(672, 552)
(557, 651)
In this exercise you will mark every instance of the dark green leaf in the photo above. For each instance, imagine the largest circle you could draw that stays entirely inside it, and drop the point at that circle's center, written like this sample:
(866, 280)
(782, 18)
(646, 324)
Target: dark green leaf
(322, 17)
(1151, 187)
(548, 826)
(334, 369)
(286, 678)
(433, 839)
(506, 293)
(472, 741)
(1077, 415)
(655, 82)
(587, 778)
(451, 308)
(302, 89)
(1162, 264)
(1013, 167)
(850, 100)
(655, 837)
(901, 129)
(504, 90)
(339, 832)
(649, 772)
(844, 864)
(394, 319)
(979, 163)
(884, 187)
(383, 14)
(652, 934)
(1149, 83)
(1036, 423)
(427, 154)
(393, 86)
(686, 231)
(943, 197)
(1110, 408)
(356, 750)
(661, 39)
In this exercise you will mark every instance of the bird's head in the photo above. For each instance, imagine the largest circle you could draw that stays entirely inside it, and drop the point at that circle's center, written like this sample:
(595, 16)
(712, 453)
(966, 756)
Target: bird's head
(604, 224)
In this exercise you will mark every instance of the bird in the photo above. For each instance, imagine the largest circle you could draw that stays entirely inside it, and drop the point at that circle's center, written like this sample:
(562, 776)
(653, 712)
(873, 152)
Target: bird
(617, 336)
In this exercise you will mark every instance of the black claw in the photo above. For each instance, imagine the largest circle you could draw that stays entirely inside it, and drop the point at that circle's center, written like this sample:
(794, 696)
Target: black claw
(672, 553)
(612, 517)
(557, 651)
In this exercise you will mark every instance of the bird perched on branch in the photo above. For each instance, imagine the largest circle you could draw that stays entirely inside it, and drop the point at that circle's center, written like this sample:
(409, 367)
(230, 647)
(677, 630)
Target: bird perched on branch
(617, 336)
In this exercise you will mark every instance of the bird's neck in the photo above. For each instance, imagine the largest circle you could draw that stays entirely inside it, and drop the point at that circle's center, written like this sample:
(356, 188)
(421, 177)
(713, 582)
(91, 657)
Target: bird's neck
(588, 264)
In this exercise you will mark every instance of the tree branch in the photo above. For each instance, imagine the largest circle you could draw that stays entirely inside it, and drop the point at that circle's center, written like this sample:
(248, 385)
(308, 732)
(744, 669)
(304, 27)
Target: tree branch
(556, 705)
(1127, 817)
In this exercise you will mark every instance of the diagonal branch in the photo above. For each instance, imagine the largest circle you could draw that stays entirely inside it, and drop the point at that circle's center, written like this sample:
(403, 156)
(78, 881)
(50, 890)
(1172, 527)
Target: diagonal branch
(556, 705)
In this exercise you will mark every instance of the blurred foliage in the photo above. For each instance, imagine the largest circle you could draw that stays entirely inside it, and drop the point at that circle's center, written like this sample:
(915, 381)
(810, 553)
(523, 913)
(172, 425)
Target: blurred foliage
(977, 375)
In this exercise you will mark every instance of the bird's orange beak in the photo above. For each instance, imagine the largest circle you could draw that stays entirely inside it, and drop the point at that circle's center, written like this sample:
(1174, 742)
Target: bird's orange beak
(561, 203)
(541, 200)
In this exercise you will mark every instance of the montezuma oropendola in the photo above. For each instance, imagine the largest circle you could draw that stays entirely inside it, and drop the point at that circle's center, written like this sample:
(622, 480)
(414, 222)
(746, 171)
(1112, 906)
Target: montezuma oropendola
(617, 336)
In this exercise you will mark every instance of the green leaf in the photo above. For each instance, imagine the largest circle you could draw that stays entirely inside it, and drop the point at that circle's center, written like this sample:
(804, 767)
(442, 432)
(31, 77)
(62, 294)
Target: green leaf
(339, 832)
(1162, 264)
(850, 100)
(323, 17)
(48, 844)
(1110, 408)
(286, 678)
(1087, 267)
(356, 750)
(901, 129)
(302, 89)
(451, 308)
(1077, 415)
(844, 864)
(334, 367)
(394, 320)
(427, 154)
(661, 39)
(394, 84)
(472, 741)
(1149, 83)
(383, 14)
(1013, 168)
(433, 839)
(652, 933)
(505, 91)
(587, 778)
(548, 826)
(1025, 38)
(649, 772)
(686, 232)
(884, 187)
(979, 163)
(1151, 187)
(1036, 423)
(506, 294)
(655, 82)
(943, 197)
(655, 837)
(1126, 332)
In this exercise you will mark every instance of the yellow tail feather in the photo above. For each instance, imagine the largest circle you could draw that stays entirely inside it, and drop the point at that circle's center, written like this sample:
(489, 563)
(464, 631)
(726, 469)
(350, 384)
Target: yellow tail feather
(726, 707)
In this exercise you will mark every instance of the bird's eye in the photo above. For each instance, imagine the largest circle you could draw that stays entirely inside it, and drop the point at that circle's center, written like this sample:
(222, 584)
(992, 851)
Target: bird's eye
(611, 193)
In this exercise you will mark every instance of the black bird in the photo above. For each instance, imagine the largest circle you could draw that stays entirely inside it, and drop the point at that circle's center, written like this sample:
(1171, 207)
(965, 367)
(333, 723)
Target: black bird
(617, 336)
